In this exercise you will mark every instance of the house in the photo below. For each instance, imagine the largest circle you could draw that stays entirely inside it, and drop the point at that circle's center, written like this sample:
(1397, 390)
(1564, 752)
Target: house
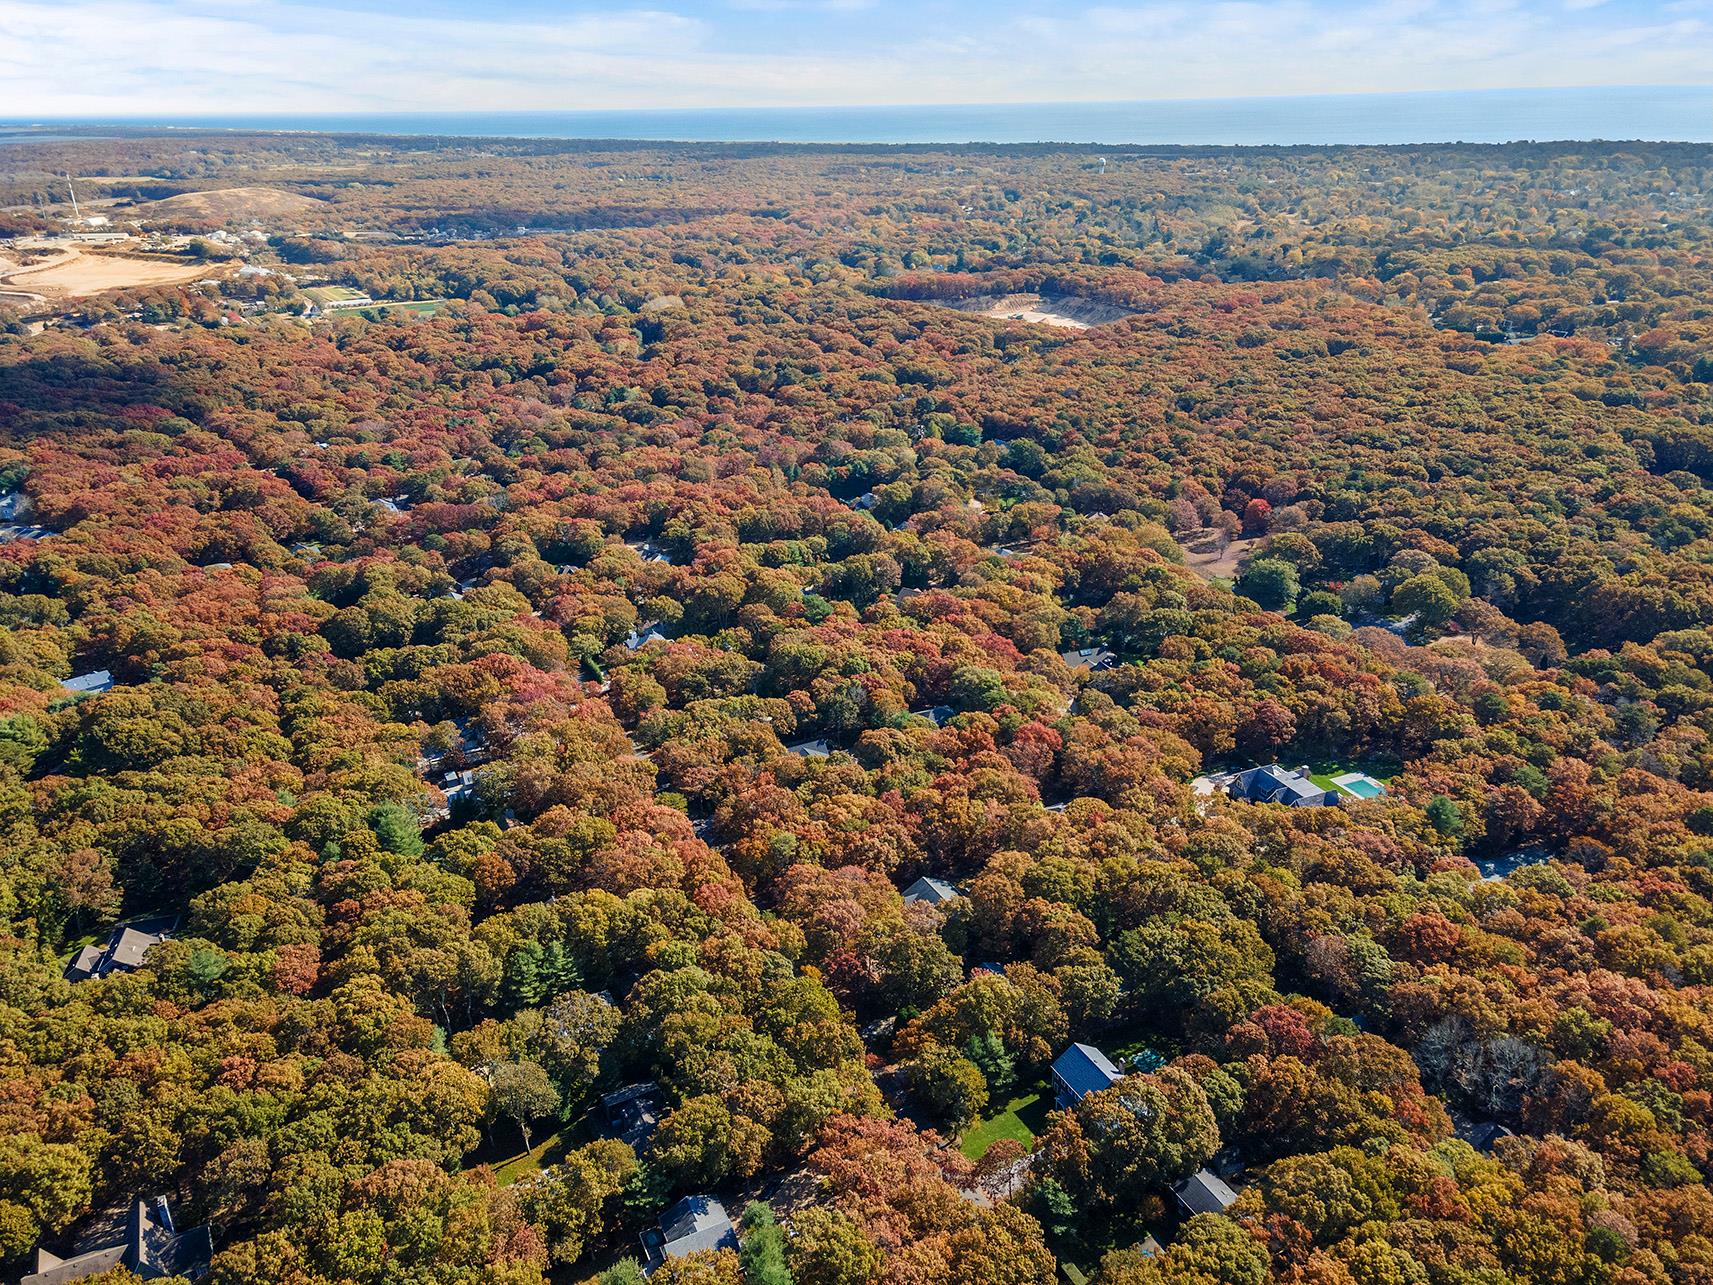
(935, 892)
(696, 1222)
(938, 715)
(867, 500)
(1204, 1193)
(636, 640)
(457, 785)
(90, 684)
(819, 748)
(149, 1246)
(469, 748)
(633, 1111)
(1089, 659)
(1274, 784)
(124, 952)
(1081, 1070)
(1481, 1134)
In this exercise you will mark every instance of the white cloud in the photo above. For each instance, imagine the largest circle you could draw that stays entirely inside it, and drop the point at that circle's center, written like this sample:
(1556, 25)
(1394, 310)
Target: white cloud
(65, 57)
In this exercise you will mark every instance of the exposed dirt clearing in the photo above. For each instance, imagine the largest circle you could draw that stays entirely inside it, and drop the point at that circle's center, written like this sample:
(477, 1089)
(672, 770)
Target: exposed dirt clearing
(1210, 556)
(76, 273)
(1065, 311)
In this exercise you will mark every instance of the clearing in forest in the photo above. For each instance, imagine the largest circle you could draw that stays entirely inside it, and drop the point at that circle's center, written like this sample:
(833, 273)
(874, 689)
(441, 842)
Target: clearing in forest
(221, 204)
(1065, 311)
(76, 272)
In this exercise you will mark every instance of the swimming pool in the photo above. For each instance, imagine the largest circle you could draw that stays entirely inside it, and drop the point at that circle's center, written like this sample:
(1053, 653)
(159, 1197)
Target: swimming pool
(1360, 784)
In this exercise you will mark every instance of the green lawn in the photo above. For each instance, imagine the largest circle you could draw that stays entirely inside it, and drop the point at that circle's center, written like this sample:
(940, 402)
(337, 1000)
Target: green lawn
(421, 307)
(331, 294)
(1382, 770)
(1022, 1118)
(543, 1154)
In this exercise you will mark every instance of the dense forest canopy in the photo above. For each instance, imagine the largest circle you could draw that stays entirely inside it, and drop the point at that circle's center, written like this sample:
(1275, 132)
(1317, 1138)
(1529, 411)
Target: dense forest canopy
(557, 689)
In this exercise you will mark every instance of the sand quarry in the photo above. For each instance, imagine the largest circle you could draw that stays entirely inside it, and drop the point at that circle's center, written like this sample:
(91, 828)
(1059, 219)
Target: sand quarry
(1064, 311)
(72, 272)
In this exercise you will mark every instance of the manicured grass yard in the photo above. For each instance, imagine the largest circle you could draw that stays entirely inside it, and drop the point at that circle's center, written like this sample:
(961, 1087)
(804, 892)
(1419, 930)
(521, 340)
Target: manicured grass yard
(1323, 775)
(331, 294)
(547, 1152)
(420, 307)
(1022, 1118)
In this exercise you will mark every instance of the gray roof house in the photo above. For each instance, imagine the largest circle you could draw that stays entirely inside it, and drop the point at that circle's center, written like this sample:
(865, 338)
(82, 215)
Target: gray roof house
(124, 951)
(633, 1111)
(99, 680)
(819, 748)
(1089, 658)
(1274, 784)
(1204, 1193)
(640, 638)
(696, 1222)
(149, 1246)
(933, 891)
(1481, 1134)
(1081, 1070)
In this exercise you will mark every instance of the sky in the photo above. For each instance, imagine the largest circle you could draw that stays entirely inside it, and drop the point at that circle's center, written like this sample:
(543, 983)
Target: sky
(165, 57)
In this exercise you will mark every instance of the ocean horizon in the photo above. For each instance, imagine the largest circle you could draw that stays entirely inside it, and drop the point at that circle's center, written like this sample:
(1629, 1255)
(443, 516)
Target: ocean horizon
(1682, 113)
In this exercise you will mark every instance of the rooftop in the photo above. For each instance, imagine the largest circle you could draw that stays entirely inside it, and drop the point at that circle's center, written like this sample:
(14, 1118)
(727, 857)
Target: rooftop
(1090, 658)
(1084, 1069)
(149, 1246)
(1204, 1193)
(98, 680)
(1275, 784)
(126, 948)
(931, 890)
(694, 1223)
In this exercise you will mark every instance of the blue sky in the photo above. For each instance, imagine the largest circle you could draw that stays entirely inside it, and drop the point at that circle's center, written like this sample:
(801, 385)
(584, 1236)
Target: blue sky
(142, 57)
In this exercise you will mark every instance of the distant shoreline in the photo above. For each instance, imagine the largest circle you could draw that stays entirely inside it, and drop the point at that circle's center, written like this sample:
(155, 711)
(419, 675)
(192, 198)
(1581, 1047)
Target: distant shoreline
(1666, 114)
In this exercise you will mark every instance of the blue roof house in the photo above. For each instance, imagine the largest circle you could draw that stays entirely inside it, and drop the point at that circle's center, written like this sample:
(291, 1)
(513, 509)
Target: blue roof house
(1081, 1070)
